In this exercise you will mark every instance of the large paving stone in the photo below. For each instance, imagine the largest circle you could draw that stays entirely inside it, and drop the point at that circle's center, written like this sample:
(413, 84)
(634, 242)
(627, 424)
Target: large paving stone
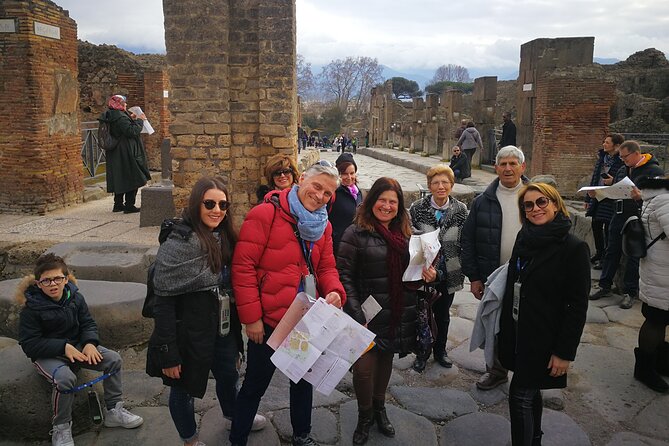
(559, 430)
(114, 262)
(464, 297)
(631, 318)
(476, 429)
(553, 399)
(25, 411)
(115, 306)
(157, 430)
(460, 329)
(633, 439)
(652, 420)
(490, 397)
(433, 403)
(604, 378)
(439, 376)
(410, 428)
(139, 388)
(468, 360)
(596, 315)
(346, 383)
(403, 363)
(277, 395)
(214, 430)
(604, 302)
(323, 425)
(622, 337)
(468, 311)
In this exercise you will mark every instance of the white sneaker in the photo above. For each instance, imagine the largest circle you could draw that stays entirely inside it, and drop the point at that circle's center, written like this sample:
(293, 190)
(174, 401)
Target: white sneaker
(259, 422)
(61, 435)
(119, 416)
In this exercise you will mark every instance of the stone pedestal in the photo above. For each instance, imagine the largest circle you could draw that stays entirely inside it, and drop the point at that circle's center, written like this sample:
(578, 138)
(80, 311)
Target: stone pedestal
(157, 205)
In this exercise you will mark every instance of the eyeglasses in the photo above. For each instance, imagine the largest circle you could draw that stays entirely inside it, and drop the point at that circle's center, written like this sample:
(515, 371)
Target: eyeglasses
(622, 157)
(541, 202)
(284, 172)
(210, 204)
(49, 280)
(324, 163)
(440, 183)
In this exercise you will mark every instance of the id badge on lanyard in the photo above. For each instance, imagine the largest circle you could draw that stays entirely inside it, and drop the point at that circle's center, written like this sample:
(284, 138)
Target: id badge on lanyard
(310, 286)
(516, 300)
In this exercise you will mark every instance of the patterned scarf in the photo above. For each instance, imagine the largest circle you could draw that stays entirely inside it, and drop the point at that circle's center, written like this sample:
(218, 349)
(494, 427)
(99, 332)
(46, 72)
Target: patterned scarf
(311, 225)
(117, 102)
(353, 189)
(397, 260)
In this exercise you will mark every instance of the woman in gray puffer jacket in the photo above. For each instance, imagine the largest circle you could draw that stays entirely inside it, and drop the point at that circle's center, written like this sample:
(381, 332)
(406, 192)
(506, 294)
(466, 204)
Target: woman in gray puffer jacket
(373, 254)
(469, 141)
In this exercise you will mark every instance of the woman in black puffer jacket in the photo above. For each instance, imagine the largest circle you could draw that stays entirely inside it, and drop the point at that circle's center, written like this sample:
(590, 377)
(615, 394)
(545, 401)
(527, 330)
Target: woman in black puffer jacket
(373, 254)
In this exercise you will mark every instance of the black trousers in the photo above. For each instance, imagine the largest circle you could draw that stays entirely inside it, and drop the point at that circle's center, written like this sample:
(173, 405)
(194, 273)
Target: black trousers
(129, 196)
(525, 410)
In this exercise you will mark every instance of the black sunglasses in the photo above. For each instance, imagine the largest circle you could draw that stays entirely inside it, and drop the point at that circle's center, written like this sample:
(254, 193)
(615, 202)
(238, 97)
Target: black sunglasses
(324, 163)
(210, 204)
(541, 202)
(278, 173)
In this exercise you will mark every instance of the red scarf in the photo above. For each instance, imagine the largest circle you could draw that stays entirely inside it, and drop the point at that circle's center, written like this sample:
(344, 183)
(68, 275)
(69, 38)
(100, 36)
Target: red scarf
(397, 260)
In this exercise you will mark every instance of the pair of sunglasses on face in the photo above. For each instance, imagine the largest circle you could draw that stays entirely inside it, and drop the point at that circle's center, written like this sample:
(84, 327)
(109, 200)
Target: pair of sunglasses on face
(284, 172)
(211, 204)
(540, 202)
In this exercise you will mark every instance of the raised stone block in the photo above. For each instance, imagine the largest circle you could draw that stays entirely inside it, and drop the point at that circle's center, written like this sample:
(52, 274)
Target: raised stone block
(157, 205)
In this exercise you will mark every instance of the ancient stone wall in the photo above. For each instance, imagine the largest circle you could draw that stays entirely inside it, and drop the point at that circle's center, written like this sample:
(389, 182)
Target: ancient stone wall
(570, 121)
(233, 104)
(485, 114)
(39, 130)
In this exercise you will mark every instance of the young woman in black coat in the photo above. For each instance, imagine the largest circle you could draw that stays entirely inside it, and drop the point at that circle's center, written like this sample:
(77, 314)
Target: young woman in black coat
(347, 198)
(373, 254)
(544, 307)
(192, 268)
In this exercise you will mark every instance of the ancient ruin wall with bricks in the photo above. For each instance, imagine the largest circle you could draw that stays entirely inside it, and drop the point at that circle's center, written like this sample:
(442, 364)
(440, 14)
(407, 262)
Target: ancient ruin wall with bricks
(233, 99)
(40, 140)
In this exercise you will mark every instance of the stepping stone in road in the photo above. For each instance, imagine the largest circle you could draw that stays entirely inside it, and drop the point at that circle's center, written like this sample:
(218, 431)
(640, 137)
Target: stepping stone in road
(596, 315)
(435, 404)
(438, 375)
(410, 428)
(157, 430)
(622, 337)
(559, 430)
(460, 329)
(476, 429)
(468, 360)
(652, 420)
(492, 396)
(323, 425)
(632, 317)
(632, 439)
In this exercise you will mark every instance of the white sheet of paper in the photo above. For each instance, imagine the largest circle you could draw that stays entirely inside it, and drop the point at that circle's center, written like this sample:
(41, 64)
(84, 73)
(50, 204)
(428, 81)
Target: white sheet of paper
(137, 110)
(297, 309)
(326, 372)
(423, 249)
(370, 307)
(618, 191)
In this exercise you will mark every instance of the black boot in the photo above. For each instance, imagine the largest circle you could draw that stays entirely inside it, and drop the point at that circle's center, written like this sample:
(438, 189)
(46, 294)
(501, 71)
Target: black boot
(365, 421)
(662, 364)
(381, 418)
(644, 371)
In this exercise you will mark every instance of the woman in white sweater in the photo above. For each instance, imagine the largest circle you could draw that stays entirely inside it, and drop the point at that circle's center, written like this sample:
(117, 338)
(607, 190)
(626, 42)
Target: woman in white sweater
(652, 356)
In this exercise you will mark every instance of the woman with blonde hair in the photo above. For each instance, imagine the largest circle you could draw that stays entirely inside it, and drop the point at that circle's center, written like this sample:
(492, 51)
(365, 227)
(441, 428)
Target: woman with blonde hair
(544, 307)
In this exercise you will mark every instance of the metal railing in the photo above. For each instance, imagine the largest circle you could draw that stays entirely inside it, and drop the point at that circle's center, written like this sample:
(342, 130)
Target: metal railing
(92, 154)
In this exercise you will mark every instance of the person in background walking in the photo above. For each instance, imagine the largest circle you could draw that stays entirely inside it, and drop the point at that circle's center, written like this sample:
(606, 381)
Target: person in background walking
(366, 139)
(652, 356)
(637, 166)
(373, 254)
(601, 212)
(508, 131)
(346, 199)
(127, 168)
(544, 307)
(460, 165)
(441, 211)
(469, 141)
(489, 234)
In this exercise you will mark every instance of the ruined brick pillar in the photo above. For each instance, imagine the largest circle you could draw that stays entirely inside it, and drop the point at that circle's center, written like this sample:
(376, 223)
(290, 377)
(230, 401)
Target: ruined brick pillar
(484, 111)
(572, 117)
(431, 125)
(417, 125)
(156, 100)
(40, 140)
(233, 99)
(451, 105)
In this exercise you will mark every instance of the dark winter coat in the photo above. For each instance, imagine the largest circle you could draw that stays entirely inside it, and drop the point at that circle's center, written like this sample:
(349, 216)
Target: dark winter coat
(508, 134)
(342, 212)
(482, 235)
(45, 326)
(186, 324)
(268, 264)
(127, 167)
(552, 312)
(649, 168)
(460, 166)
(602, 210)
(363, 269)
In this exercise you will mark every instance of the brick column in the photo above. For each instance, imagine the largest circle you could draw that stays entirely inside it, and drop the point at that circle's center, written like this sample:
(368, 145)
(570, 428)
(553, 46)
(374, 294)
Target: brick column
(40, 140)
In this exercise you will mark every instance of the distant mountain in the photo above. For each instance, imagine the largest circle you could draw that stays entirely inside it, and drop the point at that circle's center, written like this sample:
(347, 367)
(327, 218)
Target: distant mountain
(606, 60)
(421, 76)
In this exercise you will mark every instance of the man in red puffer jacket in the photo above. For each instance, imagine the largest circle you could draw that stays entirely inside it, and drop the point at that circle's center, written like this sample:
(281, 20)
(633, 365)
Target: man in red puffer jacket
(269, 267)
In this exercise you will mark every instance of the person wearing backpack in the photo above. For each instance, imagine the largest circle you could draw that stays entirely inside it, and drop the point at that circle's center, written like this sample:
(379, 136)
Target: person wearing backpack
(193, 334)
(127, 168)
(652, 355)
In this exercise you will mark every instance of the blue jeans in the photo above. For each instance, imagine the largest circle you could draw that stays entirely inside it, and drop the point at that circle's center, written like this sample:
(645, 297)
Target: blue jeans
(224, 368)
(259, 372)
(612, 259)
(525, 410)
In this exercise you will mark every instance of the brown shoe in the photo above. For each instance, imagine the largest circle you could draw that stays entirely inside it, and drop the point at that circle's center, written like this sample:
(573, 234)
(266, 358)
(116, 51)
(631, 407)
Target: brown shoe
(488, 381)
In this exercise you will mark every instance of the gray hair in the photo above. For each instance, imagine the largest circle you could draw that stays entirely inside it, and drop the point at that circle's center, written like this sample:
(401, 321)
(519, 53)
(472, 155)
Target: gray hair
(319, 169)
(510, 152)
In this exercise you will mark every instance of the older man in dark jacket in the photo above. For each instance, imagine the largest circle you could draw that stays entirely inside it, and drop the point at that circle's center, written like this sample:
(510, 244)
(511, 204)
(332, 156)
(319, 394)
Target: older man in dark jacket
(489, 234)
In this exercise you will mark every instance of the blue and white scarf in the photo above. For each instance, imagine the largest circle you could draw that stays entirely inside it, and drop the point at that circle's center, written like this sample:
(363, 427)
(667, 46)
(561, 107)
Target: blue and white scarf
(311, 225)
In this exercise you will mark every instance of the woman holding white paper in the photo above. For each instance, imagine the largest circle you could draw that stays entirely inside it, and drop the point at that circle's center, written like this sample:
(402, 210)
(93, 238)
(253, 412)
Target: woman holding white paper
(127, 168)
(373, 254)
(441, 211)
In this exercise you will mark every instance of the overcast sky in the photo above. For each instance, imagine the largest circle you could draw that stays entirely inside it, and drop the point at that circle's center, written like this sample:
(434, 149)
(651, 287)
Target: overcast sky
(418, 34)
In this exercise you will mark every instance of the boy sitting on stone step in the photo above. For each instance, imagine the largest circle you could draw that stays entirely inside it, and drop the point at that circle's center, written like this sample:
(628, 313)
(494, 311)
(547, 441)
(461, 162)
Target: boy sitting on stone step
(57, 332)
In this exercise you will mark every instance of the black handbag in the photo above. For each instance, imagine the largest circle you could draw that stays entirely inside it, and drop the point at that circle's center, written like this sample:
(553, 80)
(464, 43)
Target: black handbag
(426, 325)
